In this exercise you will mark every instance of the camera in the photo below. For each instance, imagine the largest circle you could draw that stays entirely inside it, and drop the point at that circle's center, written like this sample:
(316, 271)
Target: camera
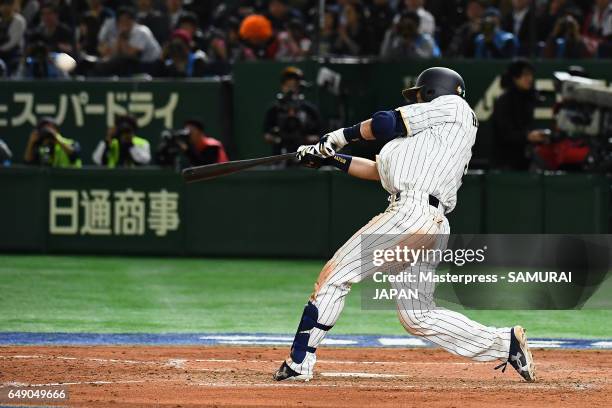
(169, 152)
(290, 120)
(38, 59)
(124, 125)
(585, 113)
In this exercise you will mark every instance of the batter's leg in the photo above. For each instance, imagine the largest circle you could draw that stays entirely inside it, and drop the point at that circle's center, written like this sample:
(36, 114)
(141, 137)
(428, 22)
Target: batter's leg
(327, 300)
(450, 330)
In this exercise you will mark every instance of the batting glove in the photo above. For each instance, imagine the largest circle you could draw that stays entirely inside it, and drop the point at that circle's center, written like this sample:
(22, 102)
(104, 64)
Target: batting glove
(305, 150)
(331, 142)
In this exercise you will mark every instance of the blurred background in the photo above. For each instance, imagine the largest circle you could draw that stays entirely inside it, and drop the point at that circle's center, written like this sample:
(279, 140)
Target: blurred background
(102, 103)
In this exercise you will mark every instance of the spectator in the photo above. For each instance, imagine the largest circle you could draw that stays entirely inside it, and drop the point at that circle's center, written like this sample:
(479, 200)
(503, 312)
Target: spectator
(202, 149)
(29, 10)
(427, 23)
(39, 63)
(47, 147)
(236, 49)
(174, 10)
(157, 22)
(493, 42)
(328, 32)
(90, 24)
(547, 20)
(352, 38)
(212, 43)
(463, 42)
(291, 121)
(128, 47)
(12, 31)
(256, 31)
(403, 40)
(512, 118)
(381, 18)
(595, 23)
(57, 36)
(605, 46)
(121, 147)
(179, 60)
(189, 22)
(279, 13)
(565, 41)
(293, 42)
(5, 154)
(521, 23)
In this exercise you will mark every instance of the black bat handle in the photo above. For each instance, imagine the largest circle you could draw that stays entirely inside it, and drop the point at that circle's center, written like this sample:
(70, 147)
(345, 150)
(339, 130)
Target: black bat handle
(209, 171)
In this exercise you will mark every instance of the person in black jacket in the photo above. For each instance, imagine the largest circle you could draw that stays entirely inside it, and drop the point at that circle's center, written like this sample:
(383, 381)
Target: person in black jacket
(513, 118)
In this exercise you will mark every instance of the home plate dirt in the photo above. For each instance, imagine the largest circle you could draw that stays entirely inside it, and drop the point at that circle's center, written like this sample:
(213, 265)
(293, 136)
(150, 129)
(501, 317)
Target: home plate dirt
(242, 376)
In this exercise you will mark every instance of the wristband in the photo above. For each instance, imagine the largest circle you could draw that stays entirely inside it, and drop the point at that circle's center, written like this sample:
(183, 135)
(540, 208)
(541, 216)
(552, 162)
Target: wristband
(340, 161)
(353, 133)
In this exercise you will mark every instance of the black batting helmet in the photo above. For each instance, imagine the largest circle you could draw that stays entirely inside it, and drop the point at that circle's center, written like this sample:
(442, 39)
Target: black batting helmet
(434, 82)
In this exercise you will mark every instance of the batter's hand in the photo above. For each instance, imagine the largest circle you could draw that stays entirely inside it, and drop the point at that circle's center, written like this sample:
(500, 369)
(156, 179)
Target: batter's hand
(308, 159)
(304, 150)
(326, 147)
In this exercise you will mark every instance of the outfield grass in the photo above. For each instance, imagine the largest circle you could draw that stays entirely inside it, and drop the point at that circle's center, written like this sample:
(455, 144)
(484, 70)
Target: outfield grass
(112, 294)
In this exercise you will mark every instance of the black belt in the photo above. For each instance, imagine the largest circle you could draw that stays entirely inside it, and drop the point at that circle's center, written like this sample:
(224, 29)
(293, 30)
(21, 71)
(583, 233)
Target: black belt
(433, 201)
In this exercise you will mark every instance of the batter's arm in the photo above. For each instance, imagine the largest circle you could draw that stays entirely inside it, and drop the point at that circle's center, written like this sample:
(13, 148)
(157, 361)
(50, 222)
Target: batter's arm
(383, 126)
(364, 169)
(355, 166)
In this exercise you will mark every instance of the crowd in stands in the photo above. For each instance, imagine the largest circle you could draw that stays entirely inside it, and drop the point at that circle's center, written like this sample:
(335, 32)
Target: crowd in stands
(194, 38)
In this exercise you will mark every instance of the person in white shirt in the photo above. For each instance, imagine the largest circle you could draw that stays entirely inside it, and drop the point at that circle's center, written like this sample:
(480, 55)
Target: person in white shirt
(428, 22)
(520, 22)
(12, 31)
(126, 46)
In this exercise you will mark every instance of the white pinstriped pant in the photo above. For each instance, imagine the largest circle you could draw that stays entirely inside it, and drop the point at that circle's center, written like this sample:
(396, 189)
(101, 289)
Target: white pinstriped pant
(411, 217)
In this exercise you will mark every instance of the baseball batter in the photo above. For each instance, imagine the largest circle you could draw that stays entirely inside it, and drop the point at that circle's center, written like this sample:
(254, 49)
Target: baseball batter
(427, 151)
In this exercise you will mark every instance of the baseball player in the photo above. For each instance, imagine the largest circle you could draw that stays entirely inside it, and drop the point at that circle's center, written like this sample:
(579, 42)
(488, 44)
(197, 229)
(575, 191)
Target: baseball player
(427, 151)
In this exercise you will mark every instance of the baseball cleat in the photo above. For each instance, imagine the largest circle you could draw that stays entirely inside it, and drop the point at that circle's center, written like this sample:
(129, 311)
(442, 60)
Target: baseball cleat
(286, 373)
(520, 355)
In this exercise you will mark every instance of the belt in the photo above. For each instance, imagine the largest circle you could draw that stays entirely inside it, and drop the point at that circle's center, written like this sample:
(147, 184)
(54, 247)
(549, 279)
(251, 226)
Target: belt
(433, 201)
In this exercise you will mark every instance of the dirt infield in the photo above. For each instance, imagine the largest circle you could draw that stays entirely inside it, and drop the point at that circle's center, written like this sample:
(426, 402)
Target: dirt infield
(363, 377)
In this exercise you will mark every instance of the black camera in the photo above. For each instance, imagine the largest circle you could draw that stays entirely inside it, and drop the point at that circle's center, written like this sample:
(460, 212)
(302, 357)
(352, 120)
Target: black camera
(124, 125)
(290, 126)
(38, 59)
(169, 152)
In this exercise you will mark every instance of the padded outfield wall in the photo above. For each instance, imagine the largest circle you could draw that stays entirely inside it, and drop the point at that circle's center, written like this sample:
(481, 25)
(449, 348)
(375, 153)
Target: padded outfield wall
(293, 213)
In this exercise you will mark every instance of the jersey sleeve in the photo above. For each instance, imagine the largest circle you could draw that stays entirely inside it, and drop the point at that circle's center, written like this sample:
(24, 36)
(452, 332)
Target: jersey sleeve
(420, 116)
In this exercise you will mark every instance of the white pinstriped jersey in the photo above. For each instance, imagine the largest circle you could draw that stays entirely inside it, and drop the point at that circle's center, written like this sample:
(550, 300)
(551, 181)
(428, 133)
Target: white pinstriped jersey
(435, 154)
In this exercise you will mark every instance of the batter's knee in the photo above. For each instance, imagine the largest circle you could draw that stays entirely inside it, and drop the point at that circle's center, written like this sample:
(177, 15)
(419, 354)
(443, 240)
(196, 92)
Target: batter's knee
(414, 321)
(328, 279)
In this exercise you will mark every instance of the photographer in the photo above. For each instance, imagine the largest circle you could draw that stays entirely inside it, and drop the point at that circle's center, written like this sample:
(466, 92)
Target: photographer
(47, 147)
(122, 147)
(190, 143)
(39, 63)
(291, 121)
(403, 40)
(493, 42)
(565, 41)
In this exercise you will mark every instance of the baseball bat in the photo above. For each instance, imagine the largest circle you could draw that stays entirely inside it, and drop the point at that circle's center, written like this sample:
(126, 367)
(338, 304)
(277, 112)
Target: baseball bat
(210, 171)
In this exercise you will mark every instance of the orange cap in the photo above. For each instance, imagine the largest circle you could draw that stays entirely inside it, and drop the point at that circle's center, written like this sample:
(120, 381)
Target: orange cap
(256, 28)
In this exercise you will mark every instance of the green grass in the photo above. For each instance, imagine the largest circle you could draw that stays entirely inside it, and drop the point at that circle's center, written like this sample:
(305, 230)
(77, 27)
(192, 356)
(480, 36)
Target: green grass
(112, 294)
